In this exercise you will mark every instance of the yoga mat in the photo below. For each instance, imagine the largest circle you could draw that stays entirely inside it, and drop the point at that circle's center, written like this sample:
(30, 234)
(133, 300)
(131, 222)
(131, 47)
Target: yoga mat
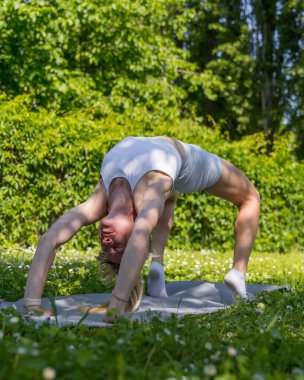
(184, 298)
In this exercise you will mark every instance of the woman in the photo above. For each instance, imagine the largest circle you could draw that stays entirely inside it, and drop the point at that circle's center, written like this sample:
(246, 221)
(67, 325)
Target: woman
(135, 198)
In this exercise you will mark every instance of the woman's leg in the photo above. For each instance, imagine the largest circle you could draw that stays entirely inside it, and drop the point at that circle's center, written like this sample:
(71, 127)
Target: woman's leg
(235, 187)
(156, 278)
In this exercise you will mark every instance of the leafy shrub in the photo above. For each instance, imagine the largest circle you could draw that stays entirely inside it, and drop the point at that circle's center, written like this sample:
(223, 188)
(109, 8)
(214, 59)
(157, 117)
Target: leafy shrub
(49, 163)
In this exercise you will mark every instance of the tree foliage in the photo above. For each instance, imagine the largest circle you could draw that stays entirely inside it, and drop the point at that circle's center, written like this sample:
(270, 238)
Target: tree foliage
(85, 53)
(252, 54)
(238, 63)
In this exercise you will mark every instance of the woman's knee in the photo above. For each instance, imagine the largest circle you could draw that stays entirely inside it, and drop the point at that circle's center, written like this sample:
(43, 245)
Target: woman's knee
(255, 195)
(251, 200)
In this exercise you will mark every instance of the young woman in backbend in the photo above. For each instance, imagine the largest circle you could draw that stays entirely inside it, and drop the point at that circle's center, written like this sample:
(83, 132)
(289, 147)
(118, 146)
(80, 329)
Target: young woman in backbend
(134, 200)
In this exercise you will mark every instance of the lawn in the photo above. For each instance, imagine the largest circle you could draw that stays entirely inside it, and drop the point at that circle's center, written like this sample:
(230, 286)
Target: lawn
(259, 339)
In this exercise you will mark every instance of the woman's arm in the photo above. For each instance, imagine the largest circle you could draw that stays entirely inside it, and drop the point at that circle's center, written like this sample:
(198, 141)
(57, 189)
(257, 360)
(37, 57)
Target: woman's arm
(150, 206)
(93, 209)
(135, 253)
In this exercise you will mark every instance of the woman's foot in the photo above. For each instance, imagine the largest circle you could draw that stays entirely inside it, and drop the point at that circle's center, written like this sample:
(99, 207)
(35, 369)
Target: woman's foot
(156, 281)
(235, 280)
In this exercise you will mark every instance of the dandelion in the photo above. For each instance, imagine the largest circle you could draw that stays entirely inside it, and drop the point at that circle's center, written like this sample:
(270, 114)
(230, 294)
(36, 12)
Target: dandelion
(208, 346)
(289, 309)
(120, 341)
(48, 373)
(1, 334)
(210, 370)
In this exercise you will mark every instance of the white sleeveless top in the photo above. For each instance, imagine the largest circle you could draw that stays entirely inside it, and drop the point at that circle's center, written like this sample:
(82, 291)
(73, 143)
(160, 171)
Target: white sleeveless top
(133, 157)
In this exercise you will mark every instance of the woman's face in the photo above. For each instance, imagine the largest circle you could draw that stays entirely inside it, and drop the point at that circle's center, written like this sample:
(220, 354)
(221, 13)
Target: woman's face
(114, 233)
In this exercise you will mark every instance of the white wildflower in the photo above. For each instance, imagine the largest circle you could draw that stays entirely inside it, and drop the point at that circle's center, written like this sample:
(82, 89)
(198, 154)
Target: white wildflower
(191, 367)
(167, 331)
(21, 350)
(296, 371)
(210, 370)
(258, 376)
(14, 320)
(231, 351)
(48, 373)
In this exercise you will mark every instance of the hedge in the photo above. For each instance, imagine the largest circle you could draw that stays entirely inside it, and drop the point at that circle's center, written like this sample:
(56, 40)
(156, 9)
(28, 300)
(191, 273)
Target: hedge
(50, 162)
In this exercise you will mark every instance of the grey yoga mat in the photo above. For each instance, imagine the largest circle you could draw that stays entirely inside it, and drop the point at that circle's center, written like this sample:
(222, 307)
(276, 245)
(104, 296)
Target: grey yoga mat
(184, 298)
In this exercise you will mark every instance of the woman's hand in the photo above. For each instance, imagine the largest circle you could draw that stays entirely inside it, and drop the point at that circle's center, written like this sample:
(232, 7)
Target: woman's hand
(37, 310)
(116, 309)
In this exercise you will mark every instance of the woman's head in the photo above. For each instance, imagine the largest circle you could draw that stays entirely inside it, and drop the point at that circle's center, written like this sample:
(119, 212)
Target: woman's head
(114, 232)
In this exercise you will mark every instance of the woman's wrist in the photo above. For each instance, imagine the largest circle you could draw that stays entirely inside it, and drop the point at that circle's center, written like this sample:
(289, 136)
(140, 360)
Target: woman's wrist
(119, 298)
(117, 305)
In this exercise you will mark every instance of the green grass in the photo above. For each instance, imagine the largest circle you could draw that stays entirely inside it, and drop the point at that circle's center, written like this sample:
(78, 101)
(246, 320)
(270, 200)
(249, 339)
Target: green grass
(260, 339)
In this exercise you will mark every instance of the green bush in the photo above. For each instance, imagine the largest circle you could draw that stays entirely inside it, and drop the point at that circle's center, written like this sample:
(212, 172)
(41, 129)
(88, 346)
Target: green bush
(49, 163)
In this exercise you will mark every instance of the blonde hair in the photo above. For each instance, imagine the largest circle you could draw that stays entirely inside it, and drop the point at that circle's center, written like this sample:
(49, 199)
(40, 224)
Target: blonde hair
(109, 273)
